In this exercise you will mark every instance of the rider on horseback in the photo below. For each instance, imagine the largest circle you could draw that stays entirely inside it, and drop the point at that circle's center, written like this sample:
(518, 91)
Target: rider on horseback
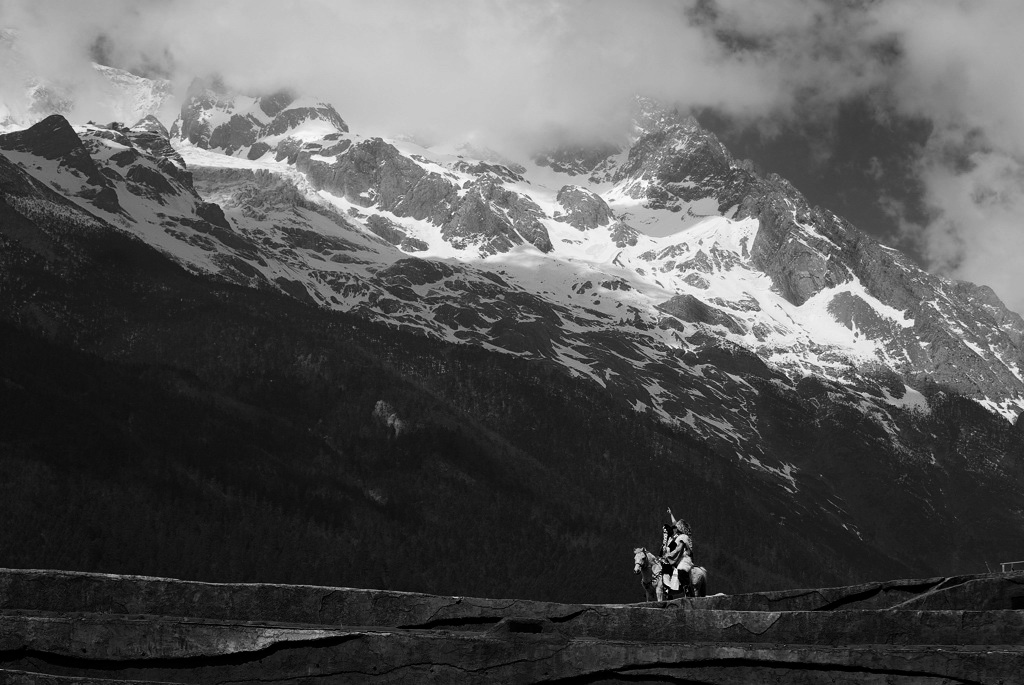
(678, 550)
(661, 573)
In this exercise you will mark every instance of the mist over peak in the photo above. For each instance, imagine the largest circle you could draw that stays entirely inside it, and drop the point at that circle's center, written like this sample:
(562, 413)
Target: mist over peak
(510, 75)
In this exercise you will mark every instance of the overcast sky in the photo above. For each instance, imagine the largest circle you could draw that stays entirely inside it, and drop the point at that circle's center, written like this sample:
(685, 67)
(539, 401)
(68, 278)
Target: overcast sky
(907, 116)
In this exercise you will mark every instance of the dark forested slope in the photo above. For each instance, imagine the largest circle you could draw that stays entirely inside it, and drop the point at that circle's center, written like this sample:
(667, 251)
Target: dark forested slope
(157, 422)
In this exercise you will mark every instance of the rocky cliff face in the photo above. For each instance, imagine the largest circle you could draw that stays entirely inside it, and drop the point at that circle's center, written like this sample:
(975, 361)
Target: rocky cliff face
(63, 625)
(214, 118)
(583, 208)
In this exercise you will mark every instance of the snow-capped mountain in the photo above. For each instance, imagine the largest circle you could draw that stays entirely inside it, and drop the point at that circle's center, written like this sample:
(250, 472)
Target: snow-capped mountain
(658, 270)
(662, 269)
(26, 99)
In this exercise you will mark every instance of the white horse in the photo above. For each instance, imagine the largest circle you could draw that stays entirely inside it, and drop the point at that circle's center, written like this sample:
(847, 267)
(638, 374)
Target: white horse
(698, 586)
(648, 567)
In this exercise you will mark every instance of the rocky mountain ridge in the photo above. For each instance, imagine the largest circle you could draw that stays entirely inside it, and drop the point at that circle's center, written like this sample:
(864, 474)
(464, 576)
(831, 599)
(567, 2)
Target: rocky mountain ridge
(675, 167)
(664, 273)
(753, 269)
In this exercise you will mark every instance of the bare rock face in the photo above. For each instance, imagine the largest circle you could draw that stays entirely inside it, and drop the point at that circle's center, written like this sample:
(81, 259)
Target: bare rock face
(150, 124)
(237, 133)
(150, 135)
(576, 160)
(393, 233)
(624, 235)
(202, 96)
(386, 416)
(806, 250)
(679, 162)
(798, 261)
(501, 171)
(249, 120)
(275, 103)
(291, 118)
(55, 140)
(853, 312)
(688, 308)
(60, 625)
(374, 172)
(583, 208)
(496, 220)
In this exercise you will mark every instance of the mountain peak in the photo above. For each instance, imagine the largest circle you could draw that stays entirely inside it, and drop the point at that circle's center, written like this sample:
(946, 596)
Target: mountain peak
(52, 138)
(667, 279)
(649, 115)
(151, 124)
(214, 117)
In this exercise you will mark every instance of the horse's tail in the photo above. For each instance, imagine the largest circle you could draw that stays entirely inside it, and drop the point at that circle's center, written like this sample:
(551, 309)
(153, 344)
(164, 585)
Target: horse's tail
(699, 578)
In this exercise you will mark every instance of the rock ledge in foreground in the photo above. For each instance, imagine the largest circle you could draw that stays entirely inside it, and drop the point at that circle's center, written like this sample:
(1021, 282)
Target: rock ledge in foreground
(66, 627)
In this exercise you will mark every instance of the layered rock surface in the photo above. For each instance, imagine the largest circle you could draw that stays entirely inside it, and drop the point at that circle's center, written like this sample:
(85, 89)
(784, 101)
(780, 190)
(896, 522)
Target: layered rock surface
(74, 625)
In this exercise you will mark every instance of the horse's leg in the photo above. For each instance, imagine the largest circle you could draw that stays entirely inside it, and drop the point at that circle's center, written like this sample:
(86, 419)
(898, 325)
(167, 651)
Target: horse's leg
(686, 581)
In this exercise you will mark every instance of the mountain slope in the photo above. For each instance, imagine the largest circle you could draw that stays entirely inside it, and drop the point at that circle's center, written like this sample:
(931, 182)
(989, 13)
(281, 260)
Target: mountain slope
(220, 422)
(804, 391)
(749, 265)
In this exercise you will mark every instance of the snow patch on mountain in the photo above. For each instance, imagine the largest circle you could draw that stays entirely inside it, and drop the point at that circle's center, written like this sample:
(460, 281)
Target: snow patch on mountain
(647, 276)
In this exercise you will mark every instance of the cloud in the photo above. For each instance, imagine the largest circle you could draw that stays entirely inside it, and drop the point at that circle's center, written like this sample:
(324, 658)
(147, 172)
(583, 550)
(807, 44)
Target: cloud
(454, 66)
(949, 62)
(514, 70)
(959, 68)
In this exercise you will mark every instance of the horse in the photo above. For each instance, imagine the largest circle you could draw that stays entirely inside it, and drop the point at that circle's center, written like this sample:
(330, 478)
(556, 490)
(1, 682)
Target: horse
(648, 567)
(698, 586)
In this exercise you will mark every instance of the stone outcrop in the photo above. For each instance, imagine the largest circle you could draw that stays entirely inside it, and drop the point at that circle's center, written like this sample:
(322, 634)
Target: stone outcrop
(583, 208)
(499, 171)
(374, 172)
(56, 625)
(677, 162)
(799, 261)
(55, 140)
(387, 417)
(496, 220)
(576, 160)
(293, 117)
(688, 308)
(624, 235)
(150, 135)
(269, 116)
(394, 234)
